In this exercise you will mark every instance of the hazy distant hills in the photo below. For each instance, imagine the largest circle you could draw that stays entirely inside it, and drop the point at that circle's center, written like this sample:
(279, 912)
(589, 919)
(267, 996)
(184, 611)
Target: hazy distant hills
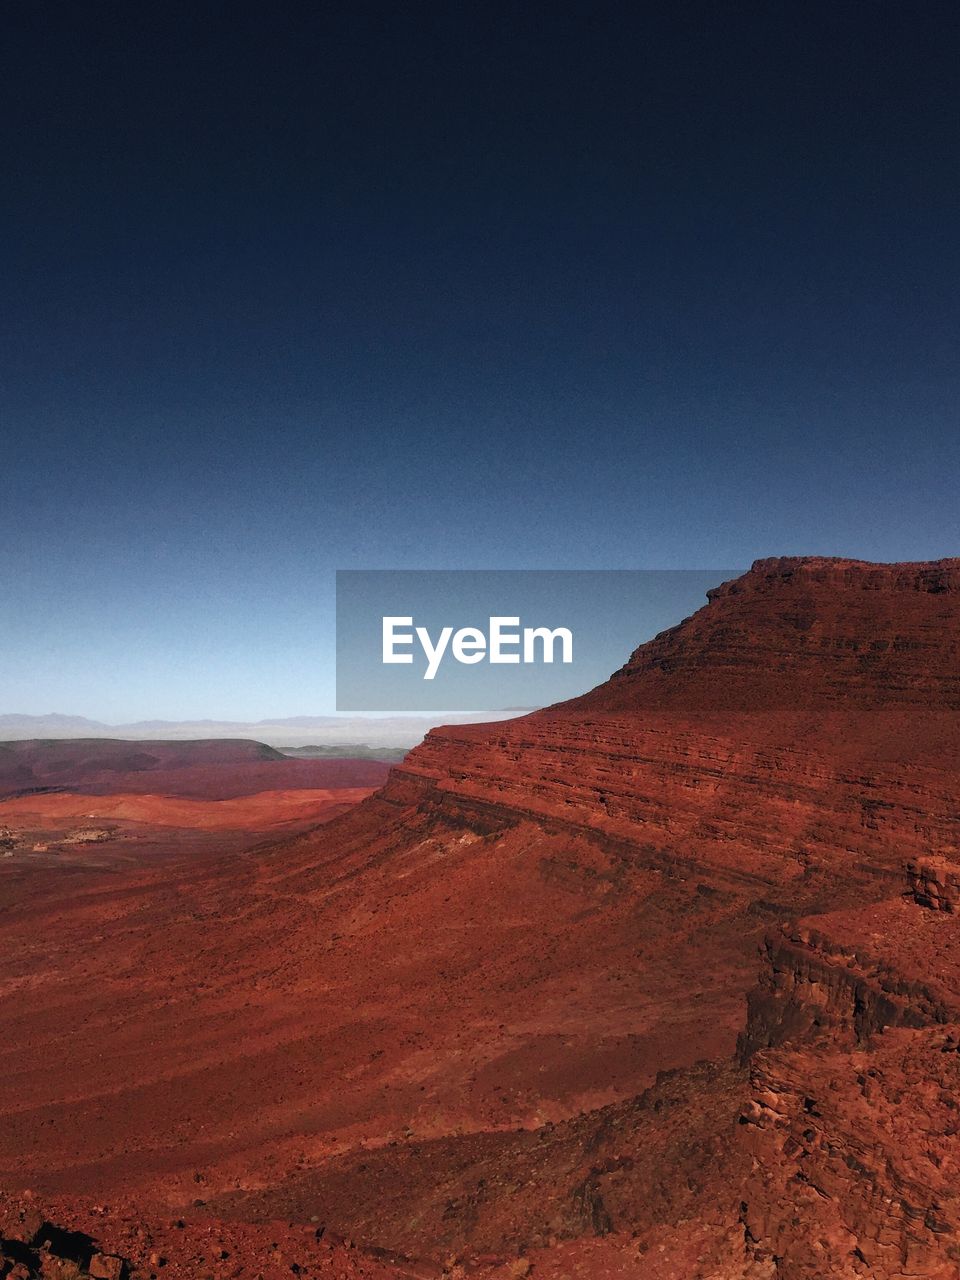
(295, 731)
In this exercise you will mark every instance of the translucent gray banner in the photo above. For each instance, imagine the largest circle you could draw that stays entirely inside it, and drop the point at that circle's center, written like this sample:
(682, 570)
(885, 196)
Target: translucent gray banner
(482, 640)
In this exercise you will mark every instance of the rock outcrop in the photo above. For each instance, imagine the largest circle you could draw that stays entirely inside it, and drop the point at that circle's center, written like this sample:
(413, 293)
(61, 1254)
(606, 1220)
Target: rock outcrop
(853, 1121)
(855, 1158)
(935, 883)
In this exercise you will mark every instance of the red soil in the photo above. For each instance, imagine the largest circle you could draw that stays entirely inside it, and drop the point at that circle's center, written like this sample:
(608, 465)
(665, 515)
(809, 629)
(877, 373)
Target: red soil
(427, 1022)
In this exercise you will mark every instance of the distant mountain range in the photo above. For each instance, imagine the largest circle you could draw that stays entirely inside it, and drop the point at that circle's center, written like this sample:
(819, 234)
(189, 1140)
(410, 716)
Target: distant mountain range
(294, 731)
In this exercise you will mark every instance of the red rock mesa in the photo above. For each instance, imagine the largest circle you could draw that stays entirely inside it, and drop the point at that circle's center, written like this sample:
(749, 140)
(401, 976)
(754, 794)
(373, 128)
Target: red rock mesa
(662, 982)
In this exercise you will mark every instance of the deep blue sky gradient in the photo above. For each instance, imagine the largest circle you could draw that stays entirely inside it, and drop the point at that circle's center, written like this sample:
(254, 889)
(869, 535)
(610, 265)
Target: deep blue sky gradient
(478, 285)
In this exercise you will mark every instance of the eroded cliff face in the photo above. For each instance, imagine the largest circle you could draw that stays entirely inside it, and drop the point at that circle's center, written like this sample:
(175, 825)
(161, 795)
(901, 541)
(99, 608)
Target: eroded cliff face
(774, 738)
(814, 987)
(805, 632)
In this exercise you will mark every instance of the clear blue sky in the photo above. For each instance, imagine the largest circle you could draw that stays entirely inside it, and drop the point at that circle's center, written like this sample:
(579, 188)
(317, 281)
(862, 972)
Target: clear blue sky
(481, 285)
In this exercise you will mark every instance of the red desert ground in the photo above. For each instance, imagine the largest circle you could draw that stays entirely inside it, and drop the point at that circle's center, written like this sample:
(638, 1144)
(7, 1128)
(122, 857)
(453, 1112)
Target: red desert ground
(662, 982)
